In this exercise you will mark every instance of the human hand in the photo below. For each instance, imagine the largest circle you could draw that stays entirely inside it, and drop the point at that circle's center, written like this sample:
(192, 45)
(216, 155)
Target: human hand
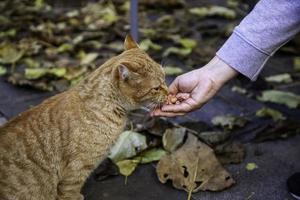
(196, 87)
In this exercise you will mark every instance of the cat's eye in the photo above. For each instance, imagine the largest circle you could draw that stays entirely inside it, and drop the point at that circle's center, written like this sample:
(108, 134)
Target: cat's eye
(156, 88)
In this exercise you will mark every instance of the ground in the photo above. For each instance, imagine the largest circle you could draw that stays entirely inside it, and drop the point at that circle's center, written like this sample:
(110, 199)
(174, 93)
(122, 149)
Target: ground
(276, 160)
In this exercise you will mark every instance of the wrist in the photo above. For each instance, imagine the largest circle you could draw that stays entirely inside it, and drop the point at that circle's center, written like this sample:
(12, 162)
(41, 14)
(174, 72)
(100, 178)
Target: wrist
(219, 71)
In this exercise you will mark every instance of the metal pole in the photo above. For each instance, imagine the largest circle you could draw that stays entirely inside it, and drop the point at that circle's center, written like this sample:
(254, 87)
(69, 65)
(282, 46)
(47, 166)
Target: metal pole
(134, 20)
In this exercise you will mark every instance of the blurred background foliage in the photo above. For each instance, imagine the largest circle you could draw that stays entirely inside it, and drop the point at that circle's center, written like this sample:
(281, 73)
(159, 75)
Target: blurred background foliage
(50, 45)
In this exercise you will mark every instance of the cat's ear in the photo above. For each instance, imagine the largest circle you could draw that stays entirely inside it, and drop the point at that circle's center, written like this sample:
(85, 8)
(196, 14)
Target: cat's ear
(129, 43)
(123, 72)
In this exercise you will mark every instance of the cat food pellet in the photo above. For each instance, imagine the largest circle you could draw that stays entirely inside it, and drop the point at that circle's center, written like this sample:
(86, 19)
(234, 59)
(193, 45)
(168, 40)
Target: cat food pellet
(172, 99)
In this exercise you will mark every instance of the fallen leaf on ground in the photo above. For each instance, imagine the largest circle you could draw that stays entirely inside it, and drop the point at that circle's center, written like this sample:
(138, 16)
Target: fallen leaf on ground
(289, 99)
(239, 90)
(3, 70)
(172, 71)
(129, 144)
(277, 130)
(173, 138)
(127, 167)
(251, 166)
(150, 155)
(9, 53)
(297, 63)
(230, 153)
(213, 11)
(269, 112)
(279, 78)
(148, 44)
(180, 165)
(229, 121)
(177, 51)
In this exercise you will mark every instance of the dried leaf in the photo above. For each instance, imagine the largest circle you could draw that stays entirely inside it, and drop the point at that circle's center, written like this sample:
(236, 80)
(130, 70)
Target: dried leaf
(179, 167)
(279, 78)
(275, 96)
(269, 112)
(230, 153)
(173, 138)
(277, 130)
(213, 137)
(129, 144)
(173, 71)
(251, 166)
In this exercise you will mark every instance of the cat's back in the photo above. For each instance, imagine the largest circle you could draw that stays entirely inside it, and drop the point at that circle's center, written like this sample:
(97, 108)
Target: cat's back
(30, 150)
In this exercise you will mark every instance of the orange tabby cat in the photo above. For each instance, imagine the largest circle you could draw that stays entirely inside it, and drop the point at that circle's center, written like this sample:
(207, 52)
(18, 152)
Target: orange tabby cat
(47, 152)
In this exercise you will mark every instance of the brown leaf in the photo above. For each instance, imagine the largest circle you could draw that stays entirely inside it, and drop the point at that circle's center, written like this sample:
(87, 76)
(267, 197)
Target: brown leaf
(230, 153)
(180, 165)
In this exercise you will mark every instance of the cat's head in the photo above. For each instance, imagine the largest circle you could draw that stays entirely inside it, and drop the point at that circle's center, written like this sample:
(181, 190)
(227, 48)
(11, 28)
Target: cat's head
(140, 79)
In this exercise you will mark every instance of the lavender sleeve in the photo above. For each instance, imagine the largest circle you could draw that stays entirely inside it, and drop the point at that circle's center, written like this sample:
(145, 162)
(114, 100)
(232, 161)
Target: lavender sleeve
(263, 31)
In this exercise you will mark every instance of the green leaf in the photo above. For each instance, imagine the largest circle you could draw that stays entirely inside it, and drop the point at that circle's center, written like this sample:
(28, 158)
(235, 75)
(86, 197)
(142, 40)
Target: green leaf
(213, 11)
(127, 167)
(65, 47)
(275, 96)
(297, 63)
(251, 166)
(31, 63)
(280, 78)
(3, 70)
(177, 51)
(35, 73)
(172, 71)
(117, 46)
(239, 90)
(188, 43)
(150, 155)
(269, 112)
(8, 33)
(88, 58)
(228, 121)
(148, 44)
(9, 54)
(58, 72)
(129, 144)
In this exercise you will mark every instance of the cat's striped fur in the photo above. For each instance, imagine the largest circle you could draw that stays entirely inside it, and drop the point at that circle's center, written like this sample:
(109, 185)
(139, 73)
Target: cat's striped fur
(47, 152)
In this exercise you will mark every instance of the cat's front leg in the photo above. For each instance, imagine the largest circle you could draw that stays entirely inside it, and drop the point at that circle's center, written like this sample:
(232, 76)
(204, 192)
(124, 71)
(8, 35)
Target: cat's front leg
(69, 192)
(77, 196)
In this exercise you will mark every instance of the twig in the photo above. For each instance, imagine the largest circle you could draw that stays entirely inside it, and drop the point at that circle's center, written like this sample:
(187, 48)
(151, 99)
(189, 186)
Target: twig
(194, 179)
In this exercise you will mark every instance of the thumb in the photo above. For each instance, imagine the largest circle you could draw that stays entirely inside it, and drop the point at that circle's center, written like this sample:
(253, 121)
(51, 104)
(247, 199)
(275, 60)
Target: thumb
(173, 88)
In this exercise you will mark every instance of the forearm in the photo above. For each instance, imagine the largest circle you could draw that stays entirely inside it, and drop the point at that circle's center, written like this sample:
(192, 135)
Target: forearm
(270, 25)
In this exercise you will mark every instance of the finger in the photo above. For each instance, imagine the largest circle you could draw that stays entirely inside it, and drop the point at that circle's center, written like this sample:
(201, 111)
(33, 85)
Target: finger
(182, 96)
(182, 107)
(173, 88)
(160, 113)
